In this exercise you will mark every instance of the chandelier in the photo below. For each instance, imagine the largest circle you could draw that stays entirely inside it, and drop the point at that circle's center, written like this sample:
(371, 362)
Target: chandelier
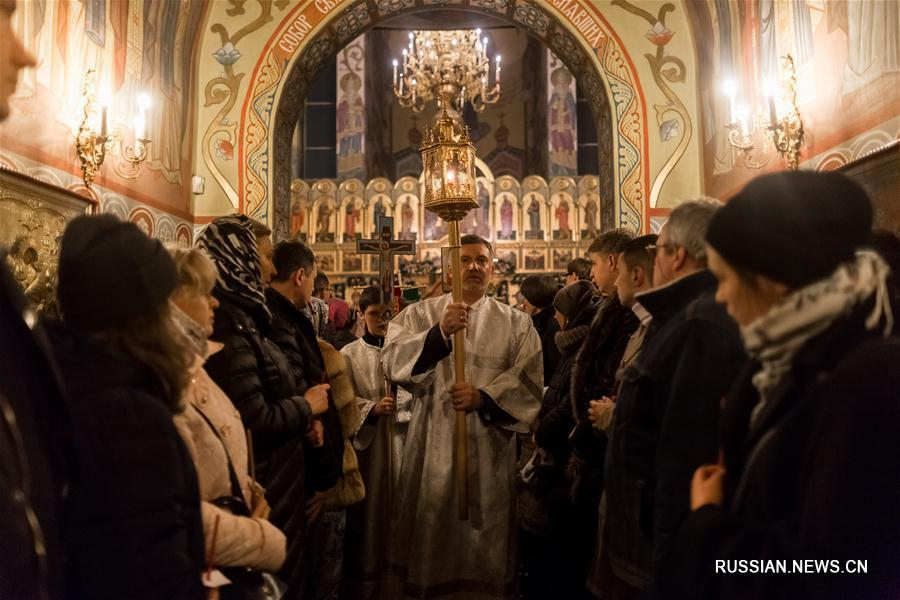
(450, 66)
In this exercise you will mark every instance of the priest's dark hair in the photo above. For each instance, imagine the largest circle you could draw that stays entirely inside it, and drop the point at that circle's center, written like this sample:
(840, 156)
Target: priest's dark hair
(580, 267)
(610, 242)
(291, 256)
(636, 254)
(471, 238)
(539, 290)
(369, 296)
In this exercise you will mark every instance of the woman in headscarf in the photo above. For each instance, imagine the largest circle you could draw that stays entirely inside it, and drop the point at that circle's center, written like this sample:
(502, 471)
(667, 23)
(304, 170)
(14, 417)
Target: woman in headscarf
(810, 429)
(255, 374)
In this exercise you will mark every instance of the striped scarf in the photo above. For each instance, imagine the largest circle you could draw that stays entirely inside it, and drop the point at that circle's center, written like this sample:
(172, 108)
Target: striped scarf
(230, 243)
(775, 338)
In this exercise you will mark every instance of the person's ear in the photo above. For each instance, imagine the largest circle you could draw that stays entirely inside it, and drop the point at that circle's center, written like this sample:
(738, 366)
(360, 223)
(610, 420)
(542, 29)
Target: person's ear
(638, 275)
(298, 276)
(680, 259)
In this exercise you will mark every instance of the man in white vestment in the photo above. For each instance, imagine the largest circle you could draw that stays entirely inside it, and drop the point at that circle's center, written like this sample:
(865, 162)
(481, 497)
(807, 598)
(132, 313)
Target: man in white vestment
(433, 554)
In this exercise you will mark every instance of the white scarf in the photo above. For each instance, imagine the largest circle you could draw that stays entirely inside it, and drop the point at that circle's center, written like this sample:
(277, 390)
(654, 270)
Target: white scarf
(775, 338)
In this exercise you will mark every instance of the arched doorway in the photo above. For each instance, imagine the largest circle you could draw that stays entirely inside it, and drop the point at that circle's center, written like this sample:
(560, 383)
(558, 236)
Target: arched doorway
(309, 35)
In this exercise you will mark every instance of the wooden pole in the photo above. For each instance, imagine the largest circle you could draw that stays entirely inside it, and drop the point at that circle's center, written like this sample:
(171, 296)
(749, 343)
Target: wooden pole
(459, 361)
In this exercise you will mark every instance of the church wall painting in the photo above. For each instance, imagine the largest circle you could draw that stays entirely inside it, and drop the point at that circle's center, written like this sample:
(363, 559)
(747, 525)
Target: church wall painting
(324, 203)
(847, 57)
(561, 257)
(406, 208)
(507, 207)
(534, 258)
(588, 214)
(142, 46)
(351, 217)
(351, 262)
(562, 119)
(351, 112)
(294, 41)
(562, 208)
(299, 223)
(535, 194)
(507, 254)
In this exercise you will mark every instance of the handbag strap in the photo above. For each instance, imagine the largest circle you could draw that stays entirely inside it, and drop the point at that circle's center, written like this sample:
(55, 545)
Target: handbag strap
(236, 489)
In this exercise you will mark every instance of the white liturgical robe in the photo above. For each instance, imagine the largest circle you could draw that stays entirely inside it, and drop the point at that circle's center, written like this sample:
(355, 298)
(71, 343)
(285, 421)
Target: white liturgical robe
(432, 553)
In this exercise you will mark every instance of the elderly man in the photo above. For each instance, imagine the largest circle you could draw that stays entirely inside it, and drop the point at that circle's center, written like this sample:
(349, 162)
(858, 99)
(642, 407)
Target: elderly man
(665, 422)
(433, 553)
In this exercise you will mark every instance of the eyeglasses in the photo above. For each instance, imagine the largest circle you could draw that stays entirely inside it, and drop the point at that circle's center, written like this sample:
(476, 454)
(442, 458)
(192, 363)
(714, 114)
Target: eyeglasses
(652, 248)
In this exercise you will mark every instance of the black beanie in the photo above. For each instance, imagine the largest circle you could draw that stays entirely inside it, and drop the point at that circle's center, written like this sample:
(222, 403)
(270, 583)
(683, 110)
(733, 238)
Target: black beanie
(570, 300)
(794, 227)
(110, 273)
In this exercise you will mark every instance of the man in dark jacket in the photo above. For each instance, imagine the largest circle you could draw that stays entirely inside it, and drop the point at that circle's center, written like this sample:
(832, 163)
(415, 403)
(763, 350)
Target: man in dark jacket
(665, 421)
(594, 371)
(289, 292)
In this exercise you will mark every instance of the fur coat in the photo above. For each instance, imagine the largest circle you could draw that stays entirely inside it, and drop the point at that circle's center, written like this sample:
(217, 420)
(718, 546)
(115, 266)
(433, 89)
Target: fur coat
(349, 488)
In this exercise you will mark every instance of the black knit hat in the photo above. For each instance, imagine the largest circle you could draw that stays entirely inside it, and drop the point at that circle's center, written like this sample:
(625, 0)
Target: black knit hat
(794, 227)
(573, 298)
(110, 272)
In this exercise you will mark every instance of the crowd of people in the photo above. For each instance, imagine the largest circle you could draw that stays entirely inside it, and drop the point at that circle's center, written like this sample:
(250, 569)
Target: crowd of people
(704, 413)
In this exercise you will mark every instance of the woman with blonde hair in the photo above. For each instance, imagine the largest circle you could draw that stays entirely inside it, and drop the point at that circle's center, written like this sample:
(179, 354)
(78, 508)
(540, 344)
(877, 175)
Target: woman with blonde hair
(212, 429)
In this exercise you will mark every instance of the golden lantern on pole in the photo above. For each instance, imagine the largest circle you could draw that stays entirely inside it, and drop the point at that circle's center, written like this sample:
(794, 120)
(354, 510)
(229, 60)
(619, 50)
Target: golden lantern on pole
(448, 158)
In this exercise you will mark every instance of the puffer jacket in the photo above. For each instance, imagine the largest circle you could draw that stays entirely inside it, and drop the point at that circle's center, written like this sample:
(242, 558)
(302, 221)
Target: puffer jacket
(256, 375)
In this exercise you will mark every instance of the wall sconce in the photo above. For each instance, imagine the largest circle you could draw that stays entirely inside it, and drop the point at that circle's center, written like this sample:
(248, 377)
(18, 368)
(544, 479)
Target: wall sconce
(784, 132)
(94, 140)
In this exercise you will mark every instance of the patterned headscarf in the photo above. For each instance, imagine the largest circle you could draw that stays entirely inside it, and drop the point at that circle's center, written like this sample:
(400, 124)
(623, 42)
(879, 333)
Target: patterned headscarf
(230, 243)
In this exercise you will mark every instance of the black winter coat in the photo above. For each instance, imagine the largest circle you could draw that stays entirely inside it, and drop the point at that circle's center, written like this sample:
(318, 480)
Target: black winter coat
(257, 376)
(293, 332)
(815, 477)
(666, 420)
(594, 376)
(546, 325)
(132, 525)
(35, 452)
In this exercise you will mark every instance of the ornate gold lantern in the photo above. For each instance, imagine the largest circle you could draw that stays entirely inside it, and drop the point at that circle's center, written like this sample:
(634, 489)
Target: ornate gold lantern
(448, 157)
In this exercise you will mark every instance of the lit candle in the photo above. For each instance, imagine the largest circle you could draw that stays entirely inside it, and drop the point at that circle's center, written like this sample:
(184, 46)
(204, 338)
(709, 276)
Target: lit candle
(140, 125)
(104, 111)
(770, 90)
(401, 83)
(730, 88)
(395, 72)
(497, 60)
(743, 117)
(484, 47)
(103, 121)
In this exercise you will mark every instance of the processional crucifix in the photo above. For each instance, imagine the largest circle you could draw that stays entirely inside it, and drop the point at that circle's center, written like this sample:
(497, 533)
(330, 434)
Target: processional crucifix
(384, 246)
(448, 157)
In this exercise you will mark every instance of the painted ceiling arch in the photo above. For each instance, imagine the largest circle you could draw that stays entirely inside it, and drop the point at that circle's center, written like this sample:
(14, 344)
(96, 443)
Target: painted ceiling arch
(245, 110)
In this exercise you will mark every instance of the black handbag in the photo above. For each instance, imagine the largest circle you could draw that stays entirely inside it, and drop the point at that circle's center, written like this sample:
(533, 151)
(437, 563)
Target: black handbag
(246, 583)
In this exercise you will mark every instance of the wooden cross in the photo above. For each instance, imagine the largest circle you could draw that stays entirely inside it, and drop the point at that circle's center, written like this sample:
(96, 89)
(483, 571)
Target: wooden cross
(385, 247)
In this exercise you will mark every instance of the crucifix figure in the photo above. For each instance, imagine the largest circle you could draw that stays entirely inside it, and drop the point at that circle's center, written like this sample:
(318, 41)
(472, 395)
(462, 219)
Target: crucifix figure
(385, 247)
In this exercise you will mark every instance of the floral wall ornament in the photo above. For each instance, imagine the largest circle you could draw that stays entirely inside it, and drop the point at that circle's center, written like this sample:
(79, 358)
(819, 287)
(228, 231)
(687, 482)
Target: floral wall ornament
(222, 90)
(664, 68)
(227, 54)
